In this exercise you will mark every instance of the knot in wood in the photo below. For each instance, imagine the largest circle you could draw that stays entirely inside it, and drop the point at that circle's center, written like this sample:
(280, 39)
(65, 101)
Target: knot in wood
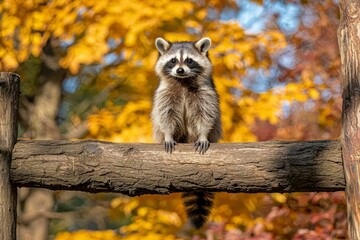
(92, 149)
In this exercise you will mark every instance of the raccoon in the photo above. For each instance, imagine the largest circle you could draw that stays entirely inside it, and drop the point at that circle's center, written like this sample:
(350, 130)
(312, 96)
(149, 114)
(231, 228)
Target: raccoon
(186, 108)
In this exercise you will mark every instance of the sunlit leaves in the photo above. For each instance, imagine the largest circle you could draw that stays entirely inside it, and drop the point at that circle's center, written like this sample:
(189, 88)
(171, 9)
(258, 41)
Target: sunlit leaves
(131, 121)
(152, 217)
(89, 235)
(116, 38)
(86, 29)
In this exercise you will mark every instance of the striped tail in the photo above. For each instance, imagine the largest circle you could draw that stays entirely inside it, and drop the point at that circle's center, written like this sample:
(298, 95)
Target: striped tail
(198, 206)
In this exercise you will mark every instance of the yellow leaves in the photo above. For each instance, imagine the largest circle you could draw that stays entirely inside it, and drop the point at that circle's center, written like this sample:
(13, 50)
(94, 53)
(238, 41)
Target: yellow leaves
(88, 26)
(23, 33)
(240, 133)
(88, 235)
(307, 78)
(152, 217)
(244, 46)
(273, 40)
(314, 94)
(8, 61)
(131, 21)
(9, 24)
(37, 41)
(301, 91)
(265, 107)
(327, 116)
(174, 36)
(130, 123)
(83, 53)
(177, 8)
(240, 51)
(278, 197)
(131, 37)
(87, 30)
(236, 210)
(268, 108)
(294, 91)
(123, 206)
(150, 222)
(150, 236)
(89, 49)
(39, 21)
(201, 14)
(232, 61)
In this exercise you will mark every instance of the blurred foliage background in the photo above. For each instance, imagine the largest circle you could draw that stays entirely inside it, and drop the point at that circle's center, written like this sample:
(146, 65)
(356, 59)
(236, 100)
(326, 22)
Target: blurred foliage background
(87, 72)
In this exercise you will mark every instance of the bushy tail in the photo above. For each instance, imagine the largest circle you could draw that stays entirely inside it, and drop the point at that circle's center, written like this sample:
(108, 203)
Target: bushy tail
(198, 206)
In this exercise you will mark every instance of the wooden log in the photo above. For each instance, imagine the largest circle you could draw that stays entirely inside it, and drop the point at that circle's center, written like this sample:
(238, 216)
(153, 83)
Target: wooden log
(135, 169)
(349, 44)
(9, 99)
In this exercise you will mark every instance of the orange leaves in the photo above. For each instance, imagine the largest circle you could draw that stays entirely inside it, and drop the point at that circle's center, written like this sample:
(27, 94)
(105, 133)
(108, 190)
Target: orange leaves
(174, 36)
(149, 221)
(272, 40)
(87, 27)
(89, 235)
(89, 49)
(83, 33)
(232, 61)
(233, 51)
(91, 29)
(122, 124)
(152, 217)
(302, 91)
(24, 31)
(130, 21)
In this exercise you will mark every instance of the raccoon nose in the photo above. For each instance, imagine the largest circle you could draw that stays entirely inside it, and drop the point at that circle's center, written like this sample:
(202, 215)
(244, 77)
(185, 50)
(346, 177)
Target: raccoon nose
(180, 70)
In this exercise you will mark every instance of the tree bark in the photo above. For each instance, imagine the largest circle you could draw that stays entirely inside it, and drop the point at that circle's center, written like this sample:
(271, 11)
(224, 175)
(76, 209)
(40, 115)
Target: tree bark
(135, 169)
(9, 103)
(42, 124)
(349, 44)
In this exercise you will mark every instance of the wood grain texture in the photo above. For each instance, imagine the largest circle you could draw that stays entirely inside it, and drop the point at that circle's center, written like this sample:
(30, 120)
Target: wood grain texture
(135, 169)
(349, 44)
(9, 102)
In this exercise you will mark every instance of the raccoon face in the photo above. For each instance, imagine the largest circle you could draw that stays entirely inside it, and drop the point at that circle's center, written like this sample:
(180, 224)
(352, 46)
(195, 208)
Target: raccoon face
(181, 60)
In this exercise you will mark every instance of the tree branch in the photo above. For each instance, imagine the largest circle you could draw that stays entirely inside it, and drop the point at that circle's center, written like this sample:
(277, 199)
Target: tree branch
(135, 169)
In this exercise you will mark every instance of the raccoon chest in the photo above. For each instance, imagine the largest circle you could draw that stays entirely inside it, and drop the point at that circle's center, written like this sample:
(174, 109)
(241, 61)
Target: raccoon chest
(191, 118)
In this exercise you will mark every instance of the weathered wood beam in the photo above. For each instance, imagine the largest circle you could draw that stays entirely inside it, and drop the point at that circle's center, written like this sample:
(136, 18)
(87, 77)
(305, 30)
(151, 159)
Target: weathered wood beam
(349, 44)
(9, 102)
(136, 169)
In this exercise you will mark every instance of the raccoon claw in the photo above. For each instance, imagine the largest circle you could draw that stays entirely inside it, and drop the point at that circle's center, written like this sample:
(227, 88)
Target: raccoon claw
(170, 146)
(202, 146)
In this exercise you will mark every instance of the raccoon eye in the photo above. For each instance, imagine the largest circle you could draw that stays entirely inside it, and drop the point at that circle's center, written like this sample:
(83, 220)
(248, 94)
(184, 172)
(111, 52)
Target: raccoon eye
(189, 61)
(173, 60)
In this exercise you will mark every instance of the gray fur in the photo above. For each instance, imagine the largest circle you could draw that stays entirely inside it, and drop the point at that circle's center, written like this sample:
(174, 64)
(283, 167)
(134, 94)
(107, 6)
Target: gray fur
(186, 108)
(162, 45)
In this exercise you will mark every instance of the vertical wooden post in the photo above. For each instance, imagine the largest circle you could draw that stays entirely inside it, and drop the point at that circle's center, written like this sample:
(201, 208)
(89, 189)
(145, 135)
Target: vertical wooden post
(349, 44)
(9, 99)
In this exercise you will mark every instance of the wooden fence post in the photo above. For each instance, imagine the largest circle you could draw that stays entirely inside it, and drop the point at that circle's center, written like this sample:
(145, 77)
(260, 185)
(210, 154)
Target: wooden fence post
(349, 45)
(9, 99)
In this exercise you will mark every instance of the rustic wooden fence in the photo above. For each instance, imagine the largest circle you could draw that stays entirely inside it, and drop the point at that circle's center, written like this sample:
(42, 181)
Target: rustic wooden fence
(136, 169)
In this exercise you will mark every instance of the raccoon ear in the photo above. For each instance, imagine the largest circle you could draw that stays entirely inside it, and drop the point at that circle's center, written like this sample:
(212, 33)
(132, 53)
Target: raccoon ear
(203, 45)
(162, 45)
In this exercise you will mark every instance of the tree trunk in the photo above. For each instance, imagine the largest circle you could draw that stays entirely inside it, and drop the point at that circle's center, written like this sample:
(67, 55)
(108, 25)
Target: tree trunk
(9, 102)
(42, 125)
(349, 44)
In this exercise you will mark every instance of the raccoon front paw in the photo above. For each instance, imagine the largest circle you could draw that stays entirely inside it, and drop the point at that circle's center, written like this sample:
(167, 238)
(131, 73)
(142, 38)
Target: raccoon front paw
(170, 146)
(202, 146)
